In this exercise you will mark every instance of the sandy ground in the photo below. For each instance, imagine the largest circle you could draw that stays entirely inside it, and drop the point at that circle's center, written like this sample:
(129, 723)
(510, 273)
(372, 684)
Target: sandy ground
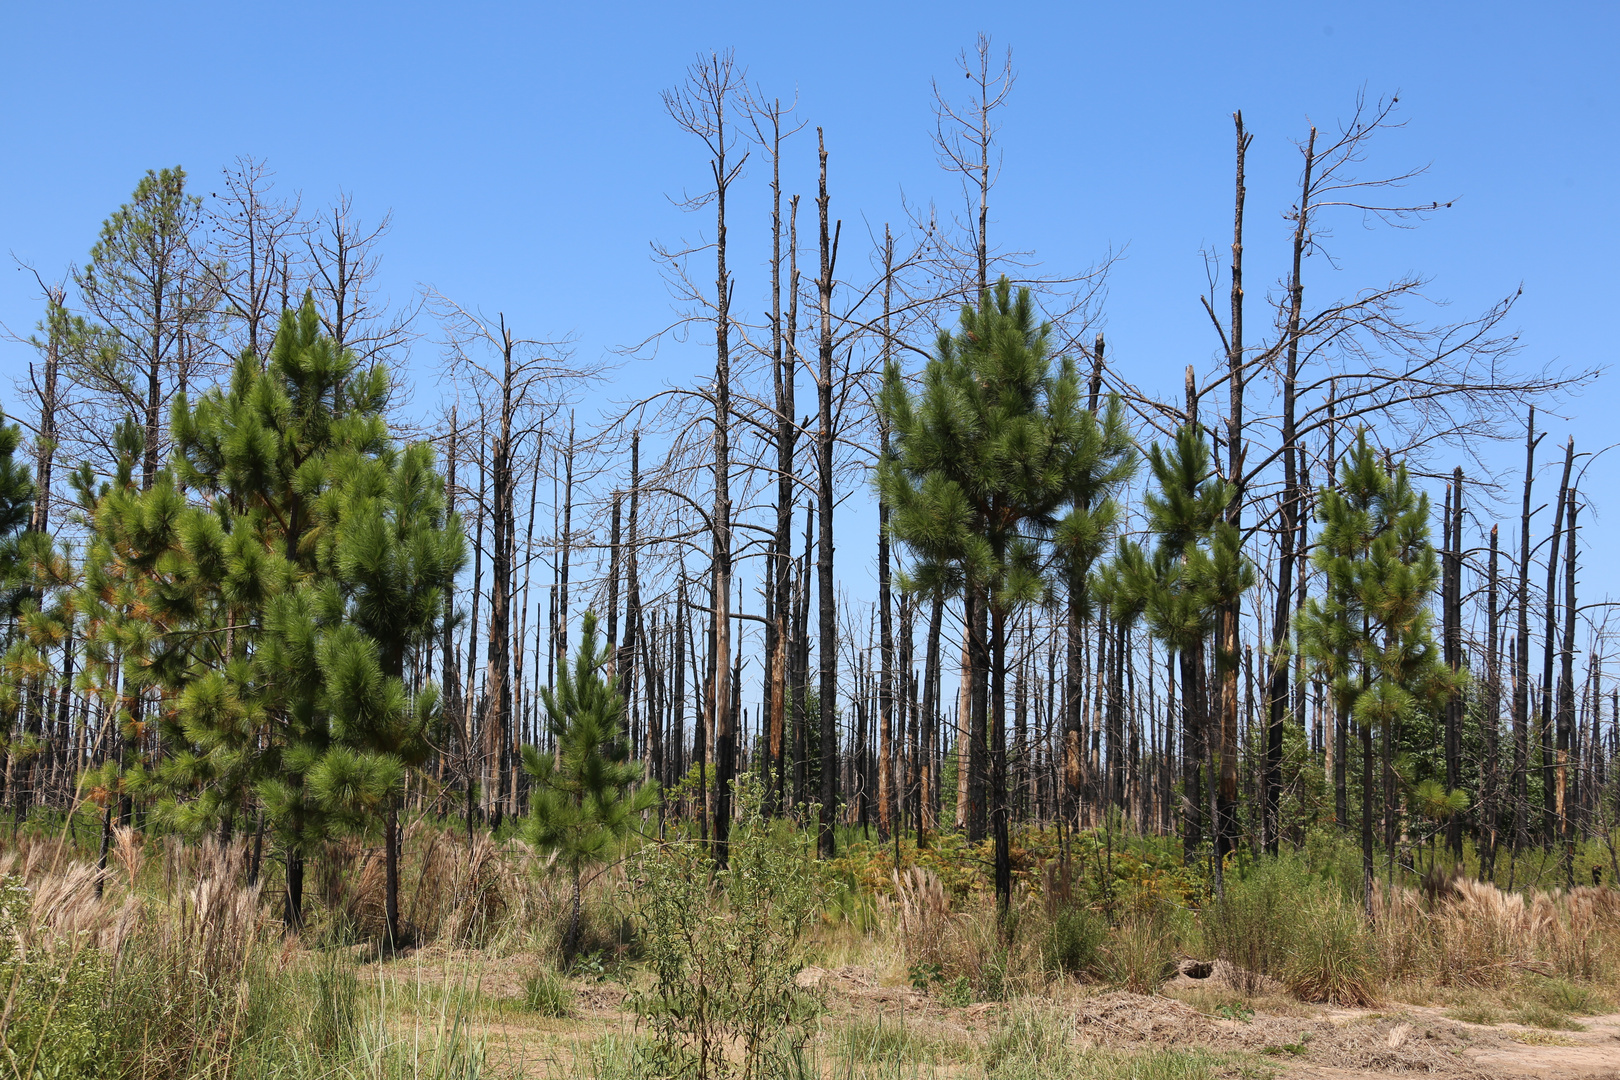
(1279, 1036)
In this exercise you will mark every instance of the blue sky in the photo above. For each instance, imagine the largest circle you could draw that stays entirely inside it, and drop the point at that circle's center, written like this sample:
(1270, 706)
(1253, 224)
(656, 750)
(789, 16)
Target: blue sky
(528, 163)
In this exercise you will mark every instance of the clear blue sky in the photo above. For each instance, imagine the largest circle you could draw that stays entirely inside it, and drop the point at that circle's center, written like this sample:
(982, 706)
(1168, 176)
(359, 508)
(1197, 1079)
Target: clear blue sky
(527, 160)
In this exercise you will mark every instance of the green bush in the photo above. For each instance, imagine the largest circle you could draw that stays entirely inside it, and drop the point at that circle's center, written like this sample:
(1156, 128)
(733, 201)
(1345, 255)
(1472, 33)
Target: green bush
(1139, 954)
(1279, 920)
(1072, 940)
(1254, 924)
(54, 1024)
(724, 946)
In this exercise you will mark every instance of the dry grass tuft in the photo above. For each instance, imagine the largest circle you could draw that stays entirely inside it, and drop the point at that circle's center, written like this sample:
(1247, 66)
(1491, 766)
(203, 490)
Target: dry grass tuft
(1475, 934)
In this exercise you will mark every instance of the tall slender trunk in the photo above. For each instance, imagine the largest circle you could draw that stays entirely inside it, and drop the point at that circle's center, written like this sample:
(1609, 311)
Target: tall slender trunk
(1490, 795)
(566, 541)
(497, 681)
(801, 671)
(1073, 696)
(1192, 742)
(615, 571)
(1282, 613)
(1549, 796)
(474, 707)
(522, 698)
(1231, 611)
(1521, 662)
(1566, 698)
(827, 612)
(1454, 660)
(927, 735)
(999, 825)
(964, 713)
(632, 602)
(783, 372)
(720, 691)
(886, 629)
(979, 660)
(448, 676)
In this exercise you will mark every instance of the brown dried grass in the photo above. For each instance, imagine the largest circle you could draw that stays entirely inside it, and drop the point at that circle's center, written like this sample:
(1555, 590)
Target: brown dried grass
(1468, 933)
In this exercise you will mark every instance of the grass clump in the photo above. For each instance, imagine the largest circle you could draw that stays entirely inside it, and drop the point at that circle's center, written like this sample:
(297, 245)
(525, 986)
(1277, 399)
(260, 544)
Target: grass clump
(876, 1041)
(1278, 920)
(544, 992)
(1539, 1014)
(1073, 939)
(1474, 1012)
(1140, 953)
(1033, 1045)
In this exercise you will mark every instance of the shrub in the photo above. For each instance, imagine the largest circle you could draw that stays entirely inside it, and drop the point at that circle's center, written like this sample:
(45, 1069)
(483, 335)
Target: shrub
(1255, 924)
(53, 1023)
(1072, 940)
(724, 946)
(1278, 920)
(1139, 954)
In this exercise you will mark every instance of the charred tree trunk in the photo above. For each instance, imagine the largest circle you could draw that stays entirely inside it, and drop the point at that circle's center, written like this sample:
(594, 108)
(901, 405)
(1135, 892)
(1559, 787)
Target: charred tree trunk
(1549, 795)
(885, 782)
(1490, 795)
(1282, 614)
(1566, 698)
(827, 610)
(1227, 623)
(1521, 663)
(1454, 659)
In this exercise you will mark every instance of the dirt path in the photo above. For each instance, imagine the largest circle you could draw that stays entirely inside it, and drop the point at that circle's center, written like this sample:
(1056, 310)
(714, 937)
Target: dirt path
(1279, 1036)
(1341, 1044)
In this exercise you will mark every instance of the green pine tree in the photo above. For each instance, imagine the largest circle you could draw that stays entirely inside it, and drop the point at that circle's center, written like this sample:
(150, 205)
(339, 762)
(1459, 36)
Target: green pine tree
(23, 633)
(1371, 635)
(1197, 565)
(990, 459)
(587, 797)
(389, 553)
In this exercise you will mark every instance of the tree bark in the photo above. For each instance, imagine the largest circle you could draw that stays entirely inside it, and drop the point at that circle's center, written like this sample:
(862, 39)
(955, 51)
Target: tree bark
(1566, 697)
(1549, 795)
(1231, 611)
(827, 610)
(1521, 664)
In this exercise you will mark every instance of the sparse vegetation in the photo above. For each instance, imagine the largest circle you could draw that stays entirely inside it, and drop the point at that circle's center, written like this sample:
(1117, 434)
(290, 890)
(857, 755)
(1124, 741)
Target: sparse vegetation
(519, 732)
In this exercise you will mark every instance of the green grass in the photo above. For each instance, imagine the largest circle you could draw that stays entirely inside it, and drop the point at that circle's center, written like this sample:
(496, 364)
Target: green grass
(865, 1042)
(548, 995)
(1474, 1013)
(1033, 1045)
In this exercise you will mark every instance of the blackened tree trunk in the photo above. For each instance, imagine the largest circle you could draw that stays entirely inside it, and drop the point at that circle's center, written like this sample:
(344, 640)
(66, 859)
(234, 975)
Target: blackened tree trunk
(1549, 795)
(1490, 794)
(1521, 660)
(1282, 613)
(1566, 698)
(885, 782)
(632, 603)
(1454, 658)
(1226, 653)
(827, 599)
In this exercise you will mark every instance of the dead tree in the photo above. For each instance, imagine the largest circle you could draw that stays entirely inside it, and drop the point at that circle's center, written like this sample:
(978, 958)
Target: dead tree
(518, 384)
(253, 236)
(700, 108)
